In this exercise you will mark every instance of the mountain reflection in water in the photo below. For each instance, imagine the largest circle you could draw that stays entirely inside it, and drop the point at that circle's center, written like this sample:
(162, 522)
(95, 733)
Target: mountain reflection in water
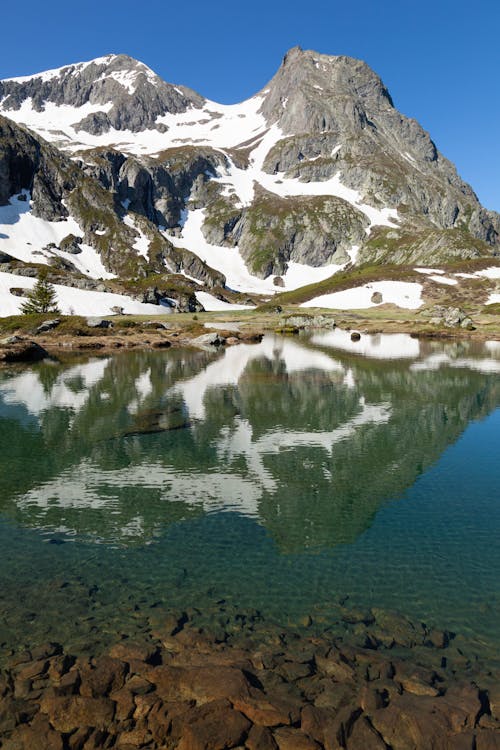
(304, 436)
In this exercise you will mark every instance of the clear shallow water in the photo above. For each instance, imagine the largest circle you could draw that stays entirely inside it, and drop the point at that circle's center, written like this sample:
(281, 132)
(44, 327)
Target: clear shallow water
(282, 476)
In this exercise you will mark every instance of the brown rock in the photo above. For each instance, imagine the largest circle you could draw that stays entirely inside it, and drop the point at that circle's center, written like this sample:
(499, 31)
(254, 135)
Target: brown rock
(138, 736)
(125, 705)
(22, 688)
(371, 698)
(462, 741)
(463, 706)
(32, 669)
(437, 638)
(202, 684)
(420, 722)
(15, 711)
(46, 651)
(291, 670)
(494, 700)
(364, 736)
(139, 685)
(260, 738)
(78, 739)
(22, 657)
(417, 686)
(317, 722)
(333, 695)
(59, 666)
(4, 685)
(333, 666)
(39, 734)
(487, 740)
(108, 674)
(262, 712)
(161, 716)
(294, 739)
(213, 726)
(89, 739)
(75, 711)
(68, 684)
(127, 651)
(143, 705)
(397, 628)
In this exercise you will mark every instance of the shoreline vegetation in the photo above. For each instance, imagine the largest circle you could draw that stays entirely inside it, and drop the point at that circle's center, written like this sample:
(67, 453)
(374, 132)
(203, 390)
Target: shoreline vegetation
(56, 334)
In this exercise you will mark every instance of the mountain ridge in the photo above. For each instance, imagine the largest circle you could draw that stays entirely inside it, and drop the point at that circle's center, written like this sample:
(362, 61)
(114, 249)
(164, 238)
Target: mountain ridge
(315, 171)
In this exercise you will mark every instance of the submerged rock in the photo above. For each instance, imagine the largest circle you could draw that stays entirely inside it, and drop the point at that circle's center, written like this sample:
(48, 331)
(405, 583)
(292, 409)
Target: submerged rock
(258, 686)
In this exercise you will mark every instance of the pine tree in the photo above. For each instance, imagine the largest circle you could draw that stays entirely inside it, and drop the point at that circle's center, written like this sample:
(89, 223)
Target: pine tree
(42, 298)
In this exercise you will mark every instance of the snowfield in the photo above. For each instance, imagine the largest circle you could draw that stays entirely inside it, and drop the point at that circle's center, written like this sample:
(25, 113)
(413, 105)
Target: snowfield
(212, 304)
(25, 236)
(405, 294)
(72, 301)
(228, 261)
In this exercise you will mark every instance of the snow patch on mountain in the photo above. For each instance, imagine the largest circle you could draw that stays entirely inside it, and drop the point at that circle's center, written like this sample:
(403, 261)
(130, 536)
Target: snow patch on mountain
(72, 301)
(212, 304)
(141, 245)
(229, 261)
(405, 294)
(25, 237)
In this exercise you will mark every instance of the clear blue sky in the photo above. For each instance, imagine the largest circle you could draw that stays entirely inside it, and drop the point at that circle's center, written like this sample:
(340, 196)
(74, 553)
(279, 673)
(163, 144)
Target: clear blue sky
(440, 59)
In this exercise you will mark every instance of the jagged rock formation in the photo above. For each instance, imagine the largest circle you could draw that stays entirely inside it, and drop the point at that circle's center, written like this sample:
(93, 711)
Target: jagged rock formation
(58, 188)
(318, 168)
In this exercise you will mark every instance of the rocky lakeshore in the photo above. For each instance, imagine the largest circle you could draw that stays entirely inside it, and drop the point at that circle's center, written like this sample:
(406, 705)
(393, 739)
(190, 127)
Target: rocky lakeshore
(32, 338)
(372, 681)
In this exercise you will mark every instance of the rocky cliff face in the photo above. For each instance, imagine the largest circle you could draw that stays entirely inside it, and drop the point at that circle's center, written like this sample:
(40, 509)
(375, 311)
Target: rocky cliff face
(339, 118)
(58, 188)
(318, 168)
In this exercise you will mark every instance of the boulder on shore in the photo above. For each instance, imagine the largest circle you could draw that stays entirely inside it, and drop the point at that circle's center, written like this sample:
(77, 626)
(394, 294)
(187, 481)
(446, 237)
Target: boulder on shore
(22, 351)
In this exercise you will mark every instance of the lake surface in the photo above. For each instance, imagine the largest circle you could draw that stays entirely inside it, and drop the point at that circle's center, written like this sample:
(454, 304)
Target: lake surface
(283, 477)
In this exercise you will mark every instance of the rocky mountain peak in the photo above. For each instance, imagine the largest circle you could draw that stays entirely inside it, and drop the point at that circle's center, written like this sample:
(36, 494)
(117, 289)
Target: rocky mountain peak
(312, 92)
(112, 92)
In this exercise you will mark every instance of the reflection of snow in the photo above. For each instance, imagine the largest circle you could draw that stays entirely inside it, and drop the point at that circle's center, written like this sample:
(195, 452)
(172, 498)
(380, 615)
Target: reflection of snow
(229, 369)
(378, 345)
(143, 387)
(65, 392)
(237, 441)
(87, 487)
(441, 359)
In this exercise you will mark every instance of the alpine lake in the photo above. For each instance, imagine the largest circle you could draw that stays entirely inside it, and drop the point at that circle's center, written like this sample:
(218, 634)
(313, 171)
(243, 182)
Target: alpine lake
(301, 485)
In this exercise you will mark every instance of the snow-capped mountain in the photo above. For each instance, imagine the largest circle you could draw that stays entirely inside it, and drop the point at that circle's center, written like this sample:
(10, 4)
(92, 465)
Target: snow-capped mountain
(139, 177)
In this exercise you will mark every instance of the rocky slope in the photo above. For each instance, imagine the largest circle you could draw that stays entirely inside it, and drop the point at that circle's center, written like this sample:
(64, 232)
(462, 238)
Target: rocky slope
(316, 171)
